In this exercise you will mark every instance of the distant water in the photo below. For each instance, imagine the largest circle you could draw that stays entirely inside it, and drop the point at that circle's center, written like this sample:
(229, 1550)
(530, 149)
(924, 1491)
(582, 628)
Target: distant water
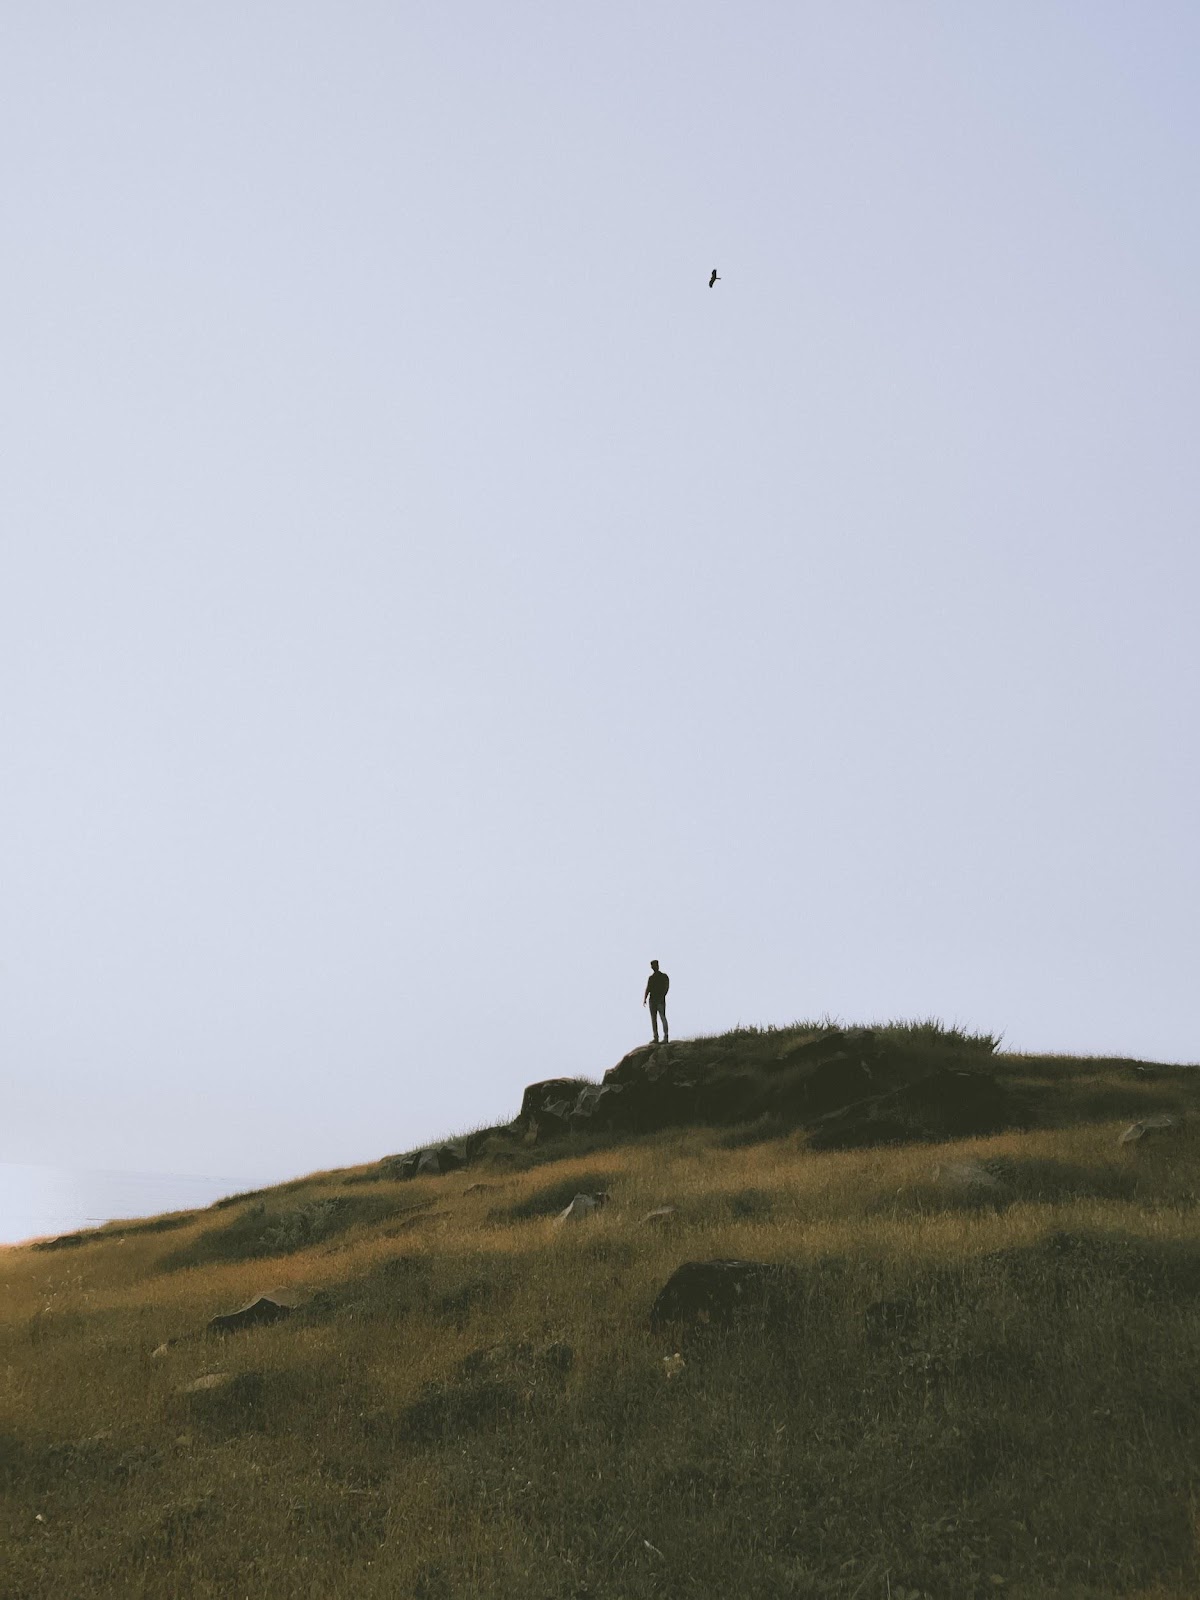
(37, 1200)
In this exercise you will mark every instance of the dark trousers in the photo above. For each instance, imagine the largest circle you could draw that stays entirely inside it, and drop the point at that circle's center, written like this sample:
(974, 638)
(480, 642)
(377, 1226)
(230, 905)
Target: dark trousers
(658, 1008)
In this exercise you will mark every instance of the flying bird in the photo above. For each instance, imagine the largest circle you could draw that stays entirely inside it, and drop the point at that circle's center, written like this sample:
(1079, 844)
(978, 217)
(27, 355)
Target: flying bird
(714, 278)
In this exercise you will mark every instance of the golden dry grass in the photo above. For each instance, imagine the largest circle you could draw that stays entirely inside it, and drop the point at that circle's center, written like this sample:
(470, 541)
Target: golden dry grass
(472, 1402)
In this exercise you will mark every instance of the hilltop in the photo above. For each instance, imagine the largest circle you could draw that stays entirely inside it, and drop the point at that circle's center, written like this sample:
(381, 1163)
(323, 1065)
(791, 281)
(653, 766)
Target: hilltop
(952, 1350)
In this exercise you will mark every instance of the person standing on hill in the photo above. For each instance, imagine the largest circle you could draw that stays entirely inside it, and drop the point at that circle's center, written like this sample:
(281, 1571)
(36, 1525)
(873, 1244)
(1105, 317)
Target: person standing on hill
(657, 985)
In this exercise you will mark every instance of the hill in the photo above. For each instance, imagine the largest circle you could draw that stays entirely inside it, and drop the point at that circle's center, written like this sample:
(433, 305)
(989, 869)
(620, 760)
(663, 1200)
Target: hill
(949, 1347)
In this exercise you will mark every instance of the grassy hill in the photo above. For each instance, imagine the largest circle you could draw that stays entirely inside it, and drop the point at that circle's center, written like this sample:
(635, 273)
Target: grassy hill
(980, 1377)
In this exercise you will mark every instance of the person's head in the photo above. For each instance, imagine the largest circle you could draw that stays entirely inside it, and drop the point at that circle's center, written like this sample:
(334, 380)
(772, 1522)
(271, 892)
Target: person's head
(654, 964)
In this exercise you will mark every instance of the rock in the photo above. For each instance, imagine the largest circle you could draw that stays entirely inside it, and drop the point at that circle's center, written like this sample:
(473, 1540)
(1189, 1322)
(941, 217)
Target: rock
(539, 1095)
(552, 1121)
(593, 1107)
(486, 1141)
(701, 1293)
(633, 1066)
(450, 1159)
(264, 1308)
(647, 1105)
(583, 1205)
(660, 1214)
(1162, 1122)
(478, 1188)
(428, 1164)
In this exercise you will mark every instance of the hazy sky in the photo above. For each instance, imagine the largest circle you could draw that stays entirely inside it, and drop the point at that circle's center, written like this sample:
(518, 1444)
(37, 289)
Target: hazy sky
(422, 601)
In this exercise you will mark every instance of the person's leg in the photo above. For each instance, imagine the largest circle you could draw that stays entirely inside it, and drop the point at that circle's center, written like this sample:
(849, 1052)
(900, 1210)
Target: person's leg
(654, 1018)
(662, 1011)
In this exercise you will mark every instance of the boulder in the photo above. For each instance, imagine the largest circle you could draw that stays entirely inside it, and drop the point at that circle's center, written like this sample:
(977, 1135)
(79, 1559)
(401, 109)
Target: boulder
(428, 1164)
(272, 1306)
(632, 1066)
(726, 1293)
(539, 1095)
(399, 1167)
(582, 1206)
(486, 1141)
(552, 1120)
(589, 1101)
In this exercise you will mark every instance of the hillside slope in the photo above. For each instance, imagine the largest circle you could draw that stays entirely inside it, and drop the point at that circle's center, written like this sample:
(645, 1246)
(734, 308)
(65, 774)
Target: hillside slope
(974, 1371)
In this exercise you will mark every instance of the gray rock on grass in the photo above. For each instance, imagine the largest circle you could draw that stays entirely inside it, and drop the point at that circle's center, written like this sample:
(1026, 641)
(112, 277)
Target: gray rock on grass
(1161, 1122)
(582, 1207)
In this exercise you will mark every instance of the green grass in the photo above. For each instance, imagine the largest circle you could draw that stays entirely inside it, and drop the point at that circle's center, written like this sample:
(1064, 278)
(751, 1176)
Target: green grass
(472, 1403)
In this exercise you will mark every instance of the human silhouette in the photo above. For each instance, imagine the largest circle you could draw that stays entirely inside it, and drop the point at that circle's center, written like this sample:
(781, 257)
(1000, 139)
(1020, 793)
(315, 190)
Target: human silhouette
(657, 985)
(714, 278)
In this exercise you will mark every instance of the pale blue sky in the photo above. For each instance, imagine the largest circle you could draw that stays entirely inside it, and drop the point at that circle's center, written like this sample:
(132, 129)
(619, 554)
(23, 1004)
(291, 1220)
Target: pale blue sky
(422, 601)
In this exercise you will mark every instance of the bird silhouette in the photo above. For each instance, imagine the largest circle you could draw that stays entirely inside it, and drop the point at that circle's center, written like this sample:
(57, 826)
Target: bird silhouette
(714, 278)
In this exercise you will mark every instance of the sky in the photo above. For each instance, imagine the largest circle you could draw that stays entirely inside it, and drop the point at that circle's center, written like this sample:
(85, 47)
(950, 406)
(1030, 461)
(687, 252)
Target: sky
(423, 600)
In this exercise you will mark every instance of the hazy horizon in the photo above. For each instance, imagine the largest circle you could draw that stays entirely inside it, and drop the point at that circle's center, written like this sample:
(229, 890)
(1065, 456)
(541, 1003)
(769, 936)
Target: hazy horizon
(423, 600)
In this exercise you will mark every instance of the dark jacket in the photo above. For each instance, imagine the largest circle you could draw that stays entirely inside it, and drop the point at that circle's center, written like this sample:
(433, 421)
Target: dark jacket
(657, 985)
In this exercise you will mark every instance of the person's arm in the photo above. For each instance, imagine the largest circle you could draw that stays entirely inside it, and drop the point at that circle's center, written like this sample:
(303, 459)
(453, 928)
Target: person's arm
(646, 993)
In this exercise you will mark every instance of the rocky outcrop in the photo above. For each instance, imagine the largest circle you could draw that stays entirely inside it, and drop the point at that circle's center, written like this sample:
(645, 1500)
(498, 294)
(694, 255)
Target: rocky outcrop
(848, 1086)
(430, 1162)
